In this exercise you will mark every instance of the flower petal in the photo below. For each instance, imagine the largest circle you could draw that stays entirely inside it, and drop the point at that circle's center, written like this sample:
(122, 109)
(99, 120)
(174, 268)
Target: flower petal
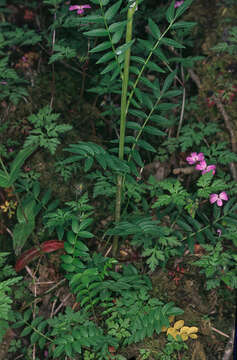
(200, 157)
(74, 7)
(213, 198)
(178, 324)
(202, 165)
(219, 202)
(193, 329)
(223, 196)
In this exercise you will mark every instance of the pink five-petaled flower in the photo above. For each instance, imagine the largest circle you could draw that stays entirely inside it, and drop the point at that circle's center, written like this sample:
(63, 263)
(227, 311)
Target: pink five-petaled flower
(218, 198)
(194, 157)
(178, 3)
(202, 166)
(79, 8)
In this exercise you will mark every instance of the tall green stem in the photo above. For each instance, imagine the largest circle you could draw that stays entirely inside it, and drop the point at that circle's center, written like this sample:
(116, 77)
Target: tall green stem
(120, 178)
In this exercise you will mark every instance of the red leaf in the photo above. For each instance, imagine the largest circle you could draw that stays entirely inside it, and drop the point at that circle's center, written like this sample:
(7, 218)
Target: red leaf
(33, 253)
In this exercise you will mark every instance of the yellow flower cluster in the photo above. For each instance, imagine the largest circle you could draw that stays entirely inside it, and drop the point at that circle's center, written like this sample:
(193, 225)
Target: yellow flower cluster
(178, 328)
(9, 207)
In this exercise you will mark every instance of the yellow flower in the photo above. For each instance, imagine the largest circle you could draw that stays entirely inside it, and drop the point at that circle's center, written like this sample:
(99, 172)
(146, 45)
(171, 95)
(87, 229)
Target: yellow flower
(171, 319)
(173, 332)
(184, 332)
(179, 324)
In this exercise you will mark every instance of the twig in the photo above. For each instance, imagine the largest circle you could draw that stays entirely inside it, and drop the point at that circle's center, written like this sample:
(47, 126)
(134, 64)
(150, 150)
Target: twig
(219, 332)
(62, 303)
(183, 104)
(229, 346)
(185, 170)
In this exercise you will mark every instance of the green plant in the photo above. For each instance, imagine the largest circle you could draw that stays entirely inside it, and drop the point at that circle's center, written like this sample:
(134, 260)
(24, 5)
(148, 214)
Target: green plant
(46, 131)
(8, 279)
(171, 348)
(218, 266)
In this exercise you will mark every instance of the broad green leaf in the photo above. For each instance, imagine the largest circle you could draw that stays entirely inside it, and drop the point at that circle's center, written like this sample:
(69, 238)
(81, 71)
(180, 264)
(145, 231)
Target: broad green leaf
(117, 36)
(137, 113)
(162, 121)
(158, 52)
(154, 131)
(137, 158)
(117, 26)
(133, 125)
(121, 49)
(36, 189)
(19, 161)
(166, 106)
(154, 67)
(109, 67)
(101, 47)
(148, 83)
(181, 9)
(4, 180)
(21, 233)
(85, 234)
(112, 11)
(170, 12)
(183, 25)
(104, 2)
(106, 57)
(26, 331)
(138, 59)
(168, 81)
(155, 31)
(88, 163)
(26, 211)
(171, 42)
(96, 32)
(145, 145)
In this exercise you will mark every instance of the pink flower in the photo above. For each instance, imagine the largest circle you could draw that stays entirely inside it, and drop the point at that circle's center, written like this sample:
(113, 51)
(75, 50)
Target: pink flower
(194, 157)
(218, 198)
(219, 232)
(178, 3)
(204, 168)
(79, 8)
